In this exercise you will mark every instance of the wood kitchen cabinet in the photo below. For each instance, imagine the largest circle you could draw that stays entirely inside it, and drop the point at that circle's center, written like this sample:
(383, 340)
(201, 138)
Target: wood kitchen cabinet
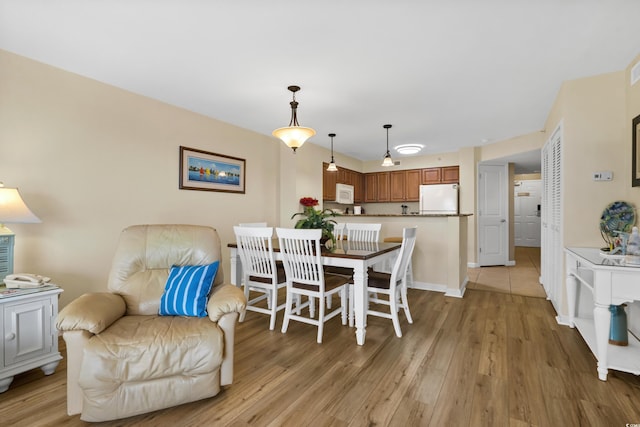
(370, 187)
(398, 185)
(358, 188)
(431, 175)
(443, 175)
(383, 180)
(342, 176)
(329, 181)
(412, 188)
(450, 175)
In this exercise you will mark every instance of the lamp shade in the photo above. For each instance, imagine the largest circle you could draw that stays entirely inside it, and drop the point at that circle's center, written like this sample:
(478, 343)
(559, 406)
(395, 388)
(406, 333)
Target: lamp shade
(13, 209)
(294, 136)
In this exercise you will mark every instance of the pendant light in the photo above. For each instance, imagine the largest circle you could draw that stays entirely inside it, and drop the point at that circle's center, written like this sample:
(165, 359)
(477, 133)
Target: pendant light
(386, 162)
(332, 166)
(294, 135)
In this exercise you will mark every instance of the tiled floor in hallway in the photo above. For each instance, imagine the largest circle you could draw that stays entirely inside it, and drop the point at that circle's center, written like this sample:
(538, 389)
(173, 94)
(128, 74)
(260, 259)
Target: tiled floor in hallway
(520, 279)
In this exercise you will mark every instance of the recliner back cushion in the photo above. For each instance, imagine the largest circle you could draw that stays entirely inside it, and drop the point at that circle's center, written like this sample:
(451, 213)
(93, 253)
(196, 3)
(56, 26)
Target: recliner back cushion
(146, 253)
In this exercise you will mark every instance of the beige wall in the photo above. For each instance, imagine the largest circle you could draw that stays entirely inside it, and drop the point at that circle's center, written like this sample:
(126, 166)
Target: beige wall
(90, 159)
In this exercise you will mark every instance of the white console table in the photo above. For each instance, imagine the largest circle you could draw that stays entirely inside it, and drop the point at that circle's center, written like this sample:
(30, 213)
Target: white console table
(29, 334)
(610, 283)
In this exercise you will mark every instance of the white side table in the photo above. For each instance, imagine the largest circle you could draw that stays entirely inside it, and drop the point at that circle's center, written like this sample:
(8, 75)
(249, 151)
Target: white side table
(29, 334)
(609, 283)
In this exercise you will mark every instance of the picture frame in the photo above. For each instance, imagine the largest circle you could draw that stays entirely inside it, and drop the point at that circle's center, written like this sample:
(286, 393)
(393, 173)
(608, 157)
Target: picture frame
(635, 152)
(206, 171)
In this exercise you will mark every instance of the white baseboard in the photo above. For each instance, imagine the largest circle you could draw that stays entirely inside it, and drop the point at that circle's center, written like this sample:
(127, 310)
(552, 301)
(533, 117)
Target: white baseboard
(511, 263)
(455, 293)
(563, 320)
(473, 265)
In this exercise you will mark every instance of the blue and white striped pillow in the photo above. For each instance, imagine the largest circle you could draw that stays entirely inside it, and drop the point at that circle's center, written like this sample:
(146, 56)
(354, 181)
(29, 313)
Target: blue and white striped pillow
(187, 290)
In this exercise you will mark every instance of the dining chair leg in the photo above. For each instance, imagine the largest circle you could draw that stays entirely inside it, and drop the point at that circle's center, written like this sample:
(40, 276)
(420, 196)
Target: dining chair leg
(321, 313)
(350, 304)
(312, 306)
(244, 312)
(393, 308)
(405, 304)
(274, 308)
(344, 303)
(287, 312)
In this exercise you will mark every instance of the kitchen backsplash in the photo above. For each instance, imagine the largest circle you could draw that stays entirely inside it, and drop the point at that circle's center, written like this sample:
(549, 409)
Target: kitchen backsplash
(375, 208)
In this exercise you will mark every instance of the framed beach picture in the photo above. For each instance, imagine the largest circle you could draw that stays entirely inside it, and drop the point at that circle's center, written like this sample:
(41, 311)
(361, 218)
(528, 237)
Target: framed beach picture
(202, 170)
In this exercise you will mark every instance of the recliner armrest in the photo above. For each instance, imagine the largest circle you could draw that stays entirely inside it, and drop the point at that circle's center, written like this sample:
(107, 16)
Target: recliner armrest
(225, 299)
(93, 312)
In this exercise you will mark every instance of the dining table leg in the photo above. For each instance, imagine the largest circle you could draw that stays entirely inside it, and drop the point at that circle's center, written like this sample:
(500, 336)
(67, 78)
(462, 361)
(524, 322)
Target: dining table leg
(236, 267)
(360, 302)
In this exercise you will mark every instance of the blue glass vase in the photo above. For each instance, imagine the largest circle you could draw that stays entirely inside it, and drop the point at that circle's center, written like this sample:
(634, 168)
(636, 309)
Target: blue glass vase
(618, 331)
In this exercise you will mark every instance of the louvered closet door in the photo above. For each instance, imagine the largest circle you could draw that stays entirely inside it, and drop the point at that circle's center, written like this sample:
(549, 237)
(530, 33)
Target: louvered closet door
(552, 265)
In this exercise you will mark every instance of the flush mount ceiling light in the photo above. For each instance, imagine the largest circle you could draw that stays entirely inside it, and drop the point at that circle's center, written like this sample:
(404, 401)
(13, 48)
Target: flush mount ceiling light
(294, 135)
(332, 166)
(387, 157)
(409, 148)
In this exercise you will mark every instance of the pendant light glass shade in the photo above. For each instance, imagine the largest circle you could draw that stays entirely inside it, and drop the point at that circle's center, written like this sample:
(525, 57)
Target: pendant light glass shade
(332, 166)
(294, 135)
(387, 161)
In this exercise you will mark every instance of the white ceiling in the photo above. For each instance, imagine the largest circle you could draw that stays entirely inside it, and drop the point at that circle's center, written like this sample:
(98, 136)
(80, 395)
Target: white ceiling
(444, 73)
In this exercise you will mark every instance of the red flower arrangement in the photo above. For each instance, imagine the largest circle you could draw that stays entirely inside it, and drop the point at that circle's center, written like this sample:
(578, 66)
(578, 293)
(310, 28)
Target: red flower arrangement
(308, 202)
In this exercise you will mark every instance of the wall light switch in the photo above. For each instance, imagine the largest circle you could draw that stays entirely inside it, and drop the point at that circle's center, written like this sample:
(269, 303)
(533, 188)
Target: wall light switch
(603, 176)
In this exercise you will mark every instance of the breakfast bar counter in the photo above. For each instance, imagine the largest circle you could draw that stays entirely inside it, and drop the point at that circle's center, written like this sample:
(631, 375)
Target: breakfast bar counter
(440, 256)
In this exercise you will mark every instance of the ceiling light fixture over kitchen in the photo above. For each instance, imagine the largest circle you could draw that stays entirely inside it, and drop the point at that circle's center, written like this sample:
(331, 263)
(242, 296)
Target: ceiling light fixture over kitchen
(294, 135)
(387, 157)
(409, 148)
(332, 166)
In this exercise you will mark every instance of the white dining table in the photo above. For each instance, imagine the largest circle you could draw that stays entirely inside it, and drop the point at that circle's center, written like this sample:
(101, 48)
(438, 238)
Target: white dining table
(356, 255)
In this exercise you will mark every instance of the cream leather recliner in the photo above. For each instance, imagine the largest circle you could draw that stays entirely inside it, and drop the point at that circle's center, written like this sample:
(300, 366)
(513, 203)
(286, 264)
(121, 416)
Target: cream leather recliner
(124, 359)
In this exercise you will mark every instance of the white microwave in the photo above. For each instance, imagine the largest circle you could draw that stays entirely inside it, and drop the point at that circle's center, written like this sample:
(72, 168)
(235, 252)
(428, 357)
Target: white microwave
(344, 194)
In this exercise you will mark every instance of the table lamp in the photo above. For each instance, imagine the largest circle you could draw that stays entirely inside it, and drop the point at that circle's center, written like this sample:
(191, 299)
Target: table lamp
(12, 210)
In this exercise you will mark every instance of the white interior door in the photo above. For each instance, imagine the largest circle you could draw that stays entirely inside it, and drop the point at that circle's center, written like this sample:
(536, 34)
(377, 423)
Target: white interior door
(493, 223)
(527, 210)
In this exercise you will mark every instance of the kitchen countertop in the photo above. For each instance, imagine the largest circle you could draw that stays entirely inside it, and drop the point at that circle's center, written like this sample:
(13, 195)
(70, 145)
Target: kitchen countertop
(407, 215)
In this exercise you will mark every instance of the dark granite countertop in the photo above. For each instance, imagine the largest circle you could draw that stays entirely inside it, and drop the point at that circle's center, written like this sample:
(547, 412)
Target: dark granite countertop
(407, 215)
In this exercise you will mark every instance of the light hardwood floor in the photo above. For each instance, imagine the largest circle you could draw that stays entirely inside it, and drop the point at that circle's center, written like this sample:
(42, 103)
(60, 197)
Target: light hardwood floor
(488, 359)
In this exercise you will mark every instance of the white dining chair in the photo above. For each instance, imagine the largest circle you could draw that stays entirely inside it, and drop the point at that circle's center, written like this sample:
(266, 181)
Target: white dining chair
(356, 232)
(393, 285)
(260, 272)
(362, 232)
(339, 230)
(302, 259)
(252, 224)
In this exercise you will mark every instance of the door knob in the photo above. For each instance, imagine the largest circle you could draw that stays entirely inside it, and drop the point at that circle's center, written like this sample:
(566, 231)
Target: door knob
(503, 220)
(10, 336)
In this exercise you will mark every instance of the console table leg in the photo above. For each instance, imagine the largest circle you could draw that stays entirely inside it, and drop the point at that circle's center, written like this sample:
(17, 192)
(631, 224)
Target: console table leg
(50, 368)
(602, 320)
(572, 285)
(5, 383)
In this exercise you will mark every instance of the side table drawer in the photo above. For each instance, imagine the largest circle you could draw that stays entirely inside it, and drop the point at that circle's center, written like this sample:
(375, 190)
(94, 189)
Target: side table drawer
(624, 286)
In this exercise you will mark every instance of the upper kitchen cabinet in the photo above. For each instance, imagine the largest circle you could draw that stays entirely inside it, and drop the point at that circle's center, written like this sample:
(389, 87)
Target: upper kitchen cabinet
(398, 185)
(412, 189)
(384, 186)
(370, 187)
(450, 175)
(443, 175)
(342, 176)
(431, 176)
(329, 181)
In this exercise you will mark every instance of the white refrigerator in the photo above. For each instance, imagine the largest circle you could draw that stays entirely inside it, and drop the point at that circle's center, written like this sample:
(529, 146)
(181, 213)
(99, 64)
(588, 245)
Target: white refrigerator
(439, 199)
